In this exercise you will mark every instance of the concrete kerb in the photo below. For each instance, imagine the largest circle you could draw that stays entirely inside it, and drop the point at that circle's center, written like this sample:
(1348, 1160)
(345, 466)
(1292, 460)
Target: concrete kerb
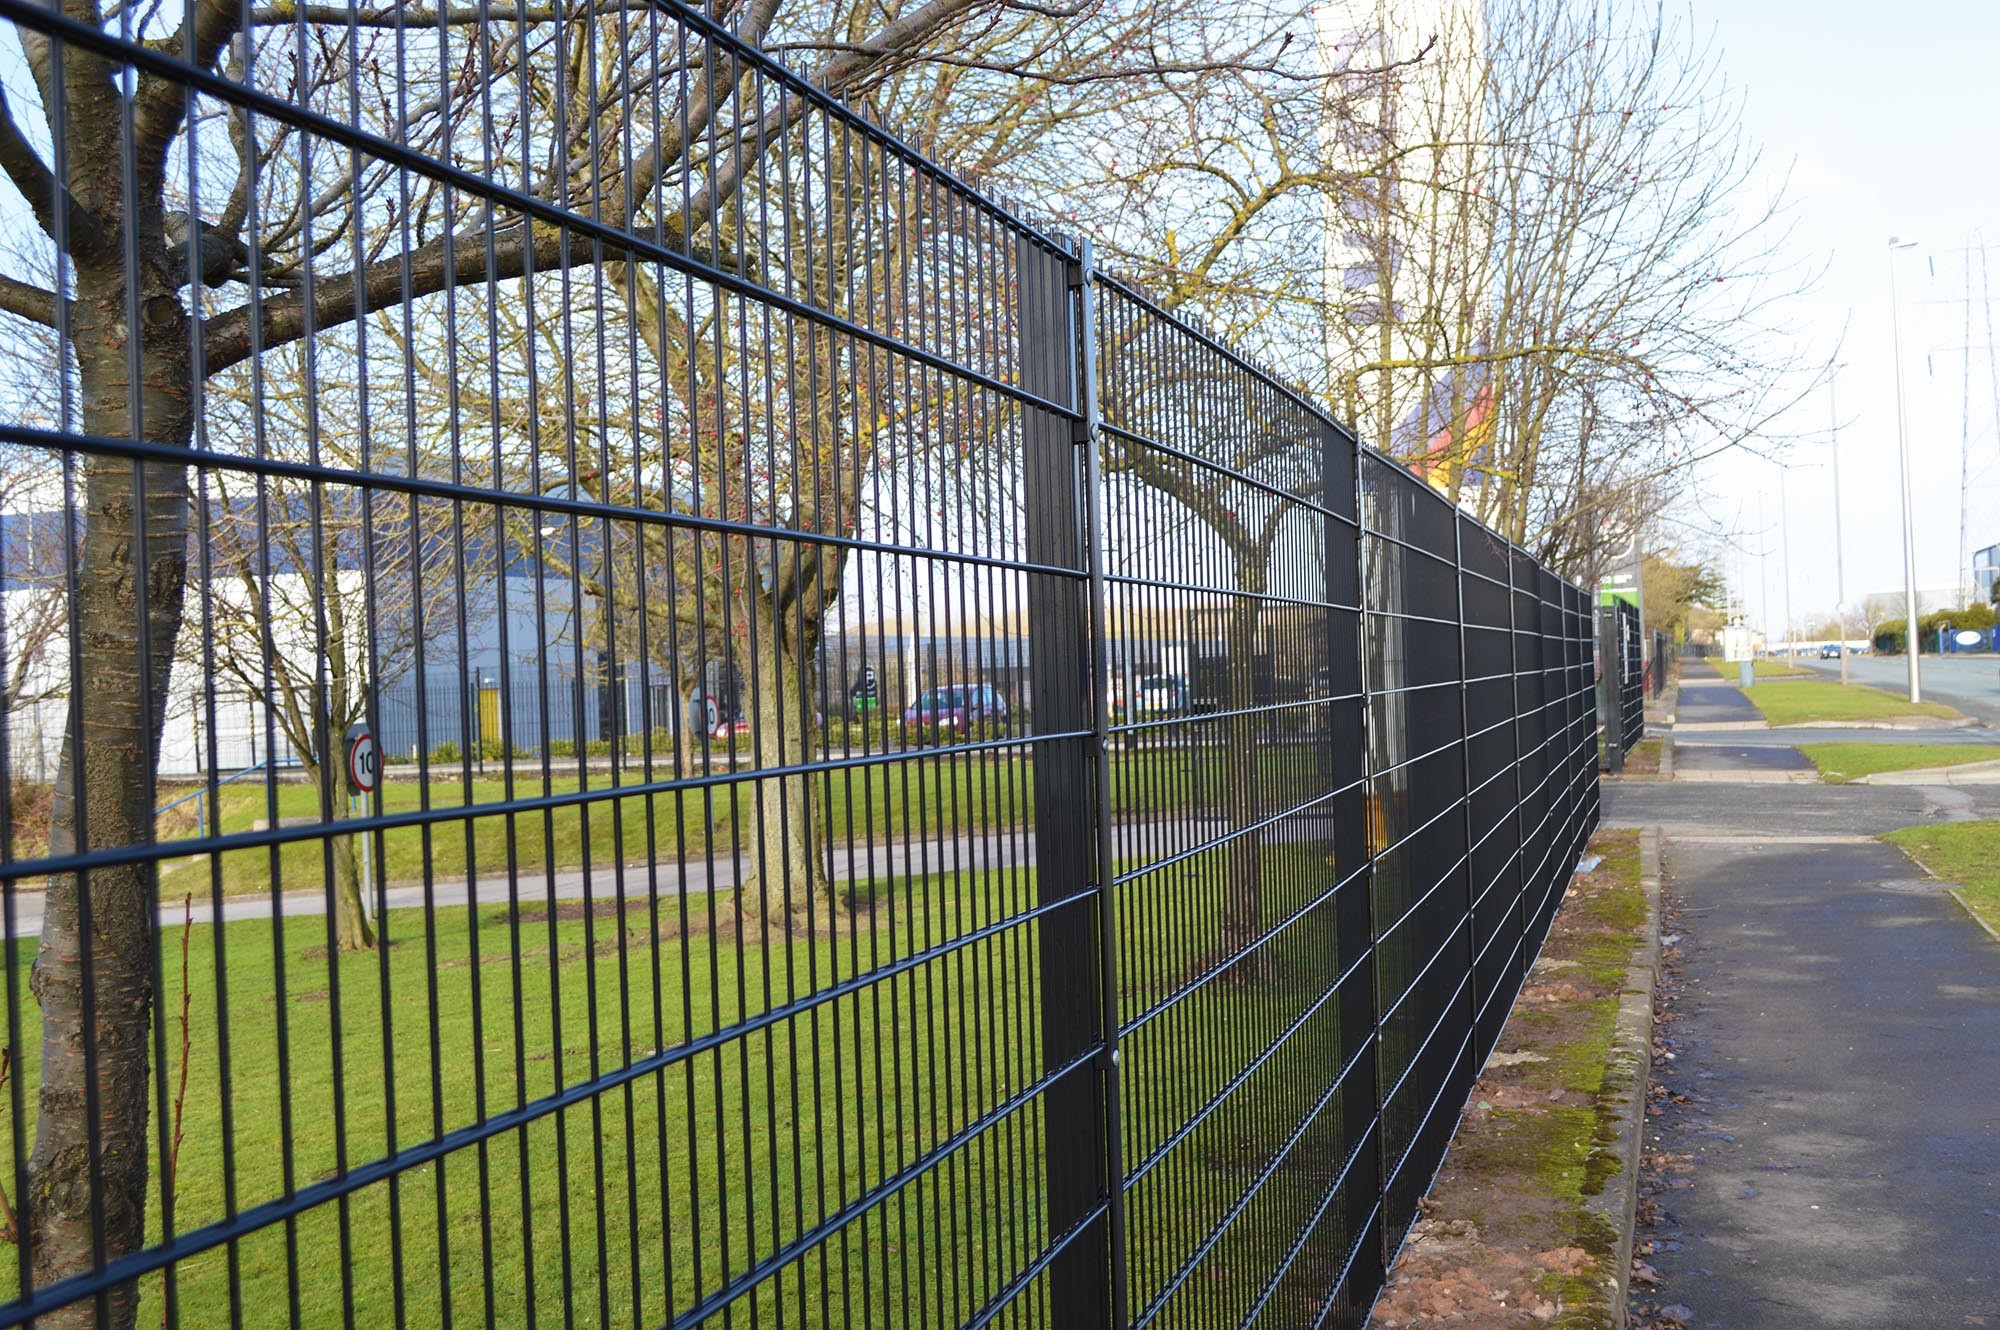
(1914, 723)
(1957, 894)
(1667, 755)
(1752, 776)
(1623, 1104)
(1967, 773)
(1907, 723)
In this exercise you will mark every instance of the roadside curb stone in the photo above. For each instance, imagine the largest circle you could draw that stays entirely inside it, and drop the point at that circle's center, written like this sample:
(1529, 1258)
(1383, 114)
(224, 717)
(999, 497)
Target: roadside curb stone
(1624, 1105)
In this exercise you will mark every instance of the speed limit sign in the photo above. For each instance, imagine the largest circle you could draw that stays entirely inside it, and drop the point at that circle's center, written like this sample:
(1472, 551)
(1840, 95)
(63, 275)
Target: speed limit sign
(364, 763)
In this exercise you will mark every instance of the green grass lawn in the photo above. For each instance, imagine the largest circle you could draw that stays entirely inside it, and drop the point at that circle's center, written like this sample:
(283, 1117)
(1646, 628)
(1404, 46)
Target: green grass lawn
(1799, 702)
(1839, 763)
(1764, 667)
(757, 1123)
(926, 794)
(1967, 853)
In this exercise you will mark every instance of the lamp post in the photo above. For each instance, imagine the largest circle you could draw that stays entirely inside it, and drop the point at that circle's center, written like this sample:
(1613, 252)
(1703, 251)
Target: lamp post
(1763, 572)
(1785, 557)
(1839, 566)
(1910, 641)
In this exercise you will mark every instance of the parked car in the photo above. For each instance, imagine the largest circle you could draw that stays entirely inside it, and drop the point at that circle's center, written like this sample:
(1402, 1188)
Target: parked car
(1831, 651)
(1162, 695)
(962, 708)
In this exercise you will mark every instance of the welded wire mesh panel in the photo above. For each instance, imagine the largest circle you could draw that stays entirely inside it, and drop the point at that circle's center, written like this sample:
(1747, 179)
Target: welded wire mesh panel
(1237, 867)
(1497, 862)
(1583, 714)
(641, 448)
(630, 705)
(1418, 767)
(1631, 677)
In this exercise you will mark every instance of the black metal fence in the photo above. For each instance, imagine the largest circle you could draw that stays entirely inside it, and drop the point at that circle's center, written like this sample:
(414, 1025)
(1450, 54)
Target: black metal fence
(1104, 1012)
(1622, 704)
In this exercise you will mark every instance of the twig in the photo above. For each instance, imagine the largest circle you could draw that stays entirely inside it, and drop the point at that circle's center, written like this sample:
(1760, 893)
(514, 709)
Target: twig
(173, 1168)
(10, 1230)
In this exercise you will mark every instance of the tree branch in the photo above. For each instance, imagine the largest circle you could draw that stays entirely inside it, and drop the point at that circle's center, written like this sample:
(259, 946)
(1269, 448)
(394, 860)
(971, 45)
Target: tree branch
(28, 302)
(38, 184)
(411, 19)
(161, 106)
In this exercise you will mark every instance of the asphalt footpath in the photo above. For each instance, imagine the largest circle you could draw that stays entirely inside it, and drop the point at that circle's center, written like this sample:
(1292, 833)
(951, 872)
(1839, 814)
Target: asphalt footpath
(1711, 702)
(1828, 1153)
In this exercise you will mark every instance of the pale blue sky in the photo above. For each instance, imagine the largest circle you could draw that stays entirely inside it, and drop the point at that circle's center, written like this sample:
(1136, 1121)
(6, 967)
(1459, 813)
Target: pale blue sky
(1888, 117)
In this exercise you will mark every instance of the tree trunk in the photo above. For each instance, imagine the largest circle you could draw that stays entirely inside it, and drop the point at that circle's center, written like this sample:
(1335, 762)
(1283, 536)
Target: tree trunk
(351, 929)
(1243, 893)
(785, 864)
(94, 1044)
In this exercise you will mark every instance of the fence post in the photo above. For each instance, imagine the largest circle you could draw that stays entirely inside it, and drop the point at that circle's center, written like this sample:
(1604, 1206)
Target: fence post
(1611, 689)
(1070, 996)
(1354, 907)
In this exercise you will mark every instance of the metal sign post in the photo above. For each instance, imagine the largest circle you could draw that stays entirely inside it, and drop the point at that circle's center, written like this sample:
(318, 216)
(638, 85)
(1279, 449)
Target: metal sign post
(1737, 648)
(364, 773)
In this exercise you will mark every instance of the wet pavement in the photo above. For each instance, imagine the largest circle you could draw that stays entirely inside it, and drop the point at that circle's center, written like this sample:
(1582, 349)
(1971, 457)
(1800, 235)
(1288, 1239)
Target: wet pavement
(1826, 1150)
(1712, 702)
(1833, 1041)
(1722, 808)
(1740, 757)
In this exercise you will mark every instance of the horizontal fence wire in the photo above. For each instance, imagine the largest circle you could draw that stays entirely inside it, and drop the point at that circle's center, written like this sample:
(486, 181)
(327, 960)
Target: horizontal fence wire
(659, 714)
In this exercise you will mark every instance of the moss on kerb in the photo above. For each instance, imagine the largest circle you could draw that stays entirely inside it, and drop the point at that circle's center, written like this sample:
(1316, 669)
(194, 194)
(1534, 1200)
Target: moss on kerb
(1568, 1151)
(1621, 1074)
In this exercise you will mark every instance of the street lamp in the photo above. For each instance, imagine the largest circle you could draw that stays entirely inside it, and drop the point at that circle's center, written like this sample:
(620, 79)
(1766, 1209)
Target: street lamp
(1910, 641)
(1839, 566)
(1785, 557)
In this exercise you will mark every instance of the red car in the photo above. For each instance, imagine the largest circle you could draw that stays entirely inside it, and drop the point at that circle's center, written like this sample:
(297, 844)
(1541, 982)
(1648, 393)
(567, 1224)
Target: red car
(962, 707)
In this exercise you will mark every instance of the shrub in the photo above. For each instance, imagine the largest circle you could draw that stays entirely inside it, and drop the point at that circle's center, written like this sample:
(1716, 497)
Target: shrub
(1889, 635)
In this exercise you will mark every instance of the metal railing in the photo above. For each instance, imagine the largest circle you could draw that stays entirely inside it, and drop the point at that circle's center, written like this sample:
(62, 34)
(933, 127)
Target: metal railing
(1062, 1014)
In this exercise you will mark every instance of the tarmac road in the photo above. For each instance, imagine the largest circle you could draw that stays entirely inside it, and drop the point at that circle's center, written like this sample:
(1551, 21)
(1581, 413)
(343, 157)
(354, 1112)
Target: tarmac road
(1970, 683)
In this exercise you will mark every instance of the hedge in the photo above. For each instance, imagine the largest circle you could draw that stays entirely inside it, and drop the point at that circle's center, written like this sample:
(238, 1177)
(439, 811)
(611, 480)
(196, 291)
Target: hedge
(1889, 635)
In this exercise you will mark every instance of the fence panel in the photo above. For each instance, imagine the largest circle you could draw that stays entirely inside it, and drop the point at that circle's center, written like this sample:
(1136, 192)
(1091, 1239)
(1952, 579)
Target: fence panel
(1631, 677)
(1122, 961)
(1238, 872)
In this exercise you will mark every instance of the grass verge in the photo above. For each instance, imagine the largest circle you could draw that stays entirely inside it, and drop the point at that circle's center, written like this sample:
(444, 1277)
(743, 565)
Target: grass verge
(1644, 759)
(1764, 668)
(1840, 763)
(1805, 701)
(1967, 853)
(918, 795)
(761, 1084)
(1507, 1236)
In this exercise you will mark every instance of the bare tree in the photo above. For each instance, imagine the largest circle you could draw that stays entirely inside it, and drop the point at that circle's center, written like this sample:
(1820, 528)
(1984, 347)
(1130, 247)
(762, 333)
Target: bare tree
(1623, 313)
(193, 237)
(34, 604)
(318, 597)
(850, 441)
